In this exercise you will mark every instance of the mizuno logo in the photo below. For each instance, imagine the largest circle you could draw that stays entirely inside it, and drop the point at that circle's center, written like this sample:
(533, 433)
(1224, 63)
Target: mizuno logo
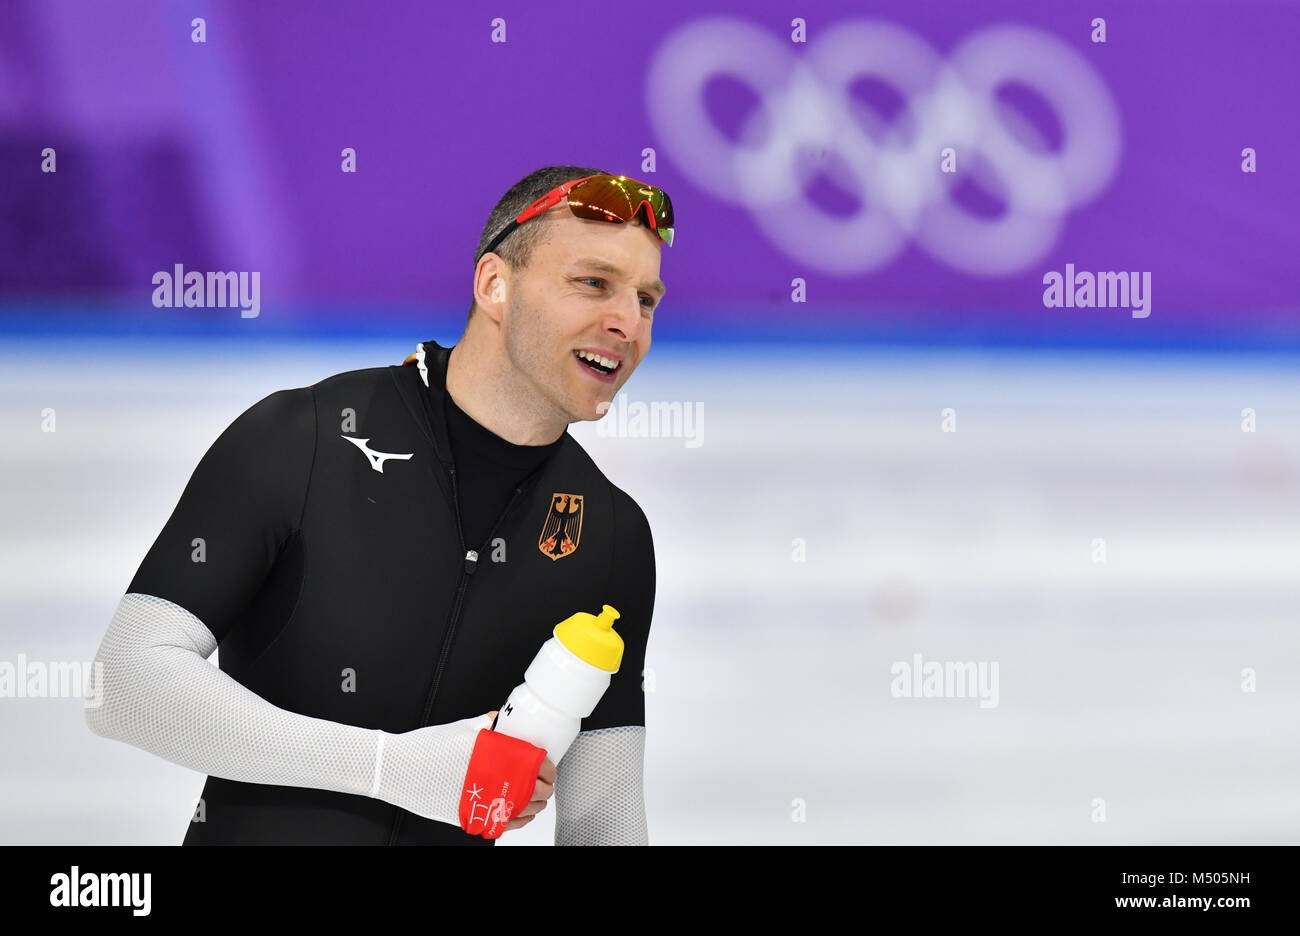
(376, 458)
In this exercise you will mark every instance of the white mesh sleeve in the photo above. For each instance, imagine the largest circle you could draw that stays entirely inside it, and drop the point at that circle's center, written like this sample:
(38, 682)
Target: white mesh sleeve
(158, 692)
(599, 793)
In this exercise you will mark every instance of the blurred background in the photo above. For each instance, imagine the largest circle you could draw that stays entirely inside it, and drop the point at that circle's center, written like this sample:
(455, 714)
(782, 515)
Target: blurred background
(896, 448)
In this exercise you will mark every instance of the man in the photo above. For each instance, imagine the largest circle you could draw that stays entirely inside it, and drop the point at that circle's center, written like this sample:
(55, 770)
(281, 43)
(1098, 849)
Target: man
(380, 555)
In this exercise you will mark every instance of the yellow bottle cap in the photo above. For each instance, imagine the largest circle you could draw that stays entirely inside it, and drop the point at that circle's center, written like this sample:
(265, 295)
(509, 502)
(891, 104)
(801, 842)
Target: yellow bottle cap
(592, 638)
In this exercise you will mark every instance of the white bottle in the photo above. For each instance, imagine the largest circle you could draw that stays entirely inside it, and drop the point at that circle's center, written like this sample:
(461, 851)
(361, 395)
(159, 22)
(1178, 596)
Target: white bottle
(564, 682)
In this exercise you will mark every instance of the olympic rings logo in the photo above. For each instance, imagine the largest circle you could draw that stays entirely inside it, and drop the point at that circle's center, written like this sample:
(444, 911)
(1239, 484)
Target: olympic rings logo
(902, 193)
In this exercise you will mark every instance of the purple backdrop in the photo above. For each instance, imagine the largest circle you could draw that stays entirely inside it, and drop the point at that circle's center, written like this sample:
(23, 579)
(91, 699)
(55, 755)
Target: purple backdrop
(819, 159)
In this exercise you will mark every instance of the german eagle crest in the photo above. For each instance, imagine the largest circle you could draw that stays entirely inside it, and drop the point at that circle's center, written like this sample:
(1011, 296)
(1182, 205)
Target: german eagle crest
(562, 528)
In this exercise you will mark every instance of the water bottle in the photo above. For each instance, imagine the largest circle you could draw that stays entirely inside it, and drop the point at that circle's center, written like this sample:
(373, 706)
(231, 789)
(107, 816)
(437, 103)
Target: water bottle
(564, 682)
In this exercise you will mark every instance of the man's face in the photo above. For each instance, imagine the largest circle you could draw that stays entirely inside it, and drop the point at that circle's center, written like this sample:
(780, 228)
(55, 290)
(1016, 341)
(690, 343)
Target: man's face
(589, 286)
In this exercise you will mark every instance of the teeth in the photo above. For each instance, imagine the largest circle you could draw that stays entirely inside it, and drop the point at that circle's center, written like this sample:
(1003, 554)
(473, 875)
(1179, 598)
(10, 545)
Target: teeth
(602, 361)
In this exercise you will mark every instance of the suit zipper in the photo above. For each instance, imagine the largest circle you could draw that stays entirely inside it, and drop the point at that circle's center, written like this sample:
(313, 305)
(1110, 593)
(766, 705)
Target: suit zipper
(470, 560)
(471, 565)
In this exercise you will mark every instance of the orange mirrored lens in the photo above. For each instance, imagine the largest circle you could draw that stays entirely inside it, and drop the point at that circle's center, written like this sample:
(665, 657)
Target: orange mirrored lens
(617, 199)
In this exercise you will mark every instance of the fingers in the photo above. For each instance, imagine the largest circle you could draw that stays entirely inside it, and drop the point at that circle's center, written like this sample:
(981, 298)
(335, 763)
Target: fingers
(532, 809)
(545, 785)
(526, 815)
(542, 791)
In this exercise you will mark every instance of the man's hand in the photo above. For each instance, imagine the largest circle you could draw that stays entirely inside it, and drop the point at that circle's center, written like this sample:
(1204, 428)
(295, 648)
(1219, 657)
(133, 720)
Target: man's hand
(541, 792)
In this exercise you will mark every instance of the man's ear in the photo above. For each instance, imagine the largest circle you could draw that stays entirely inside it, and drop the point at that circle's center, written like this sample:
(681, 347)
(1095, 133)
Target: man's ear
(491, 274)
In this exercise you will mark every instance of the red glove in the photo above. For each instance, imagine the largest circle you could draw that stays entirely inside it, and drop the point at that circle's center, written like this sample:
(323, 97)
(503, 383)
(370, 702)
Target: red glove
(499, 783)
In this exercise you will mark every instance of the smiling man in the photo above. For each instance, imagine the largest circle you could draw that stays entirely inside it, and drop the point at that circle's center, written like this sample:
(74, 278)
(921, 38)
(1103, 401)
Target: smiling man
(379, 556)
(560, 319)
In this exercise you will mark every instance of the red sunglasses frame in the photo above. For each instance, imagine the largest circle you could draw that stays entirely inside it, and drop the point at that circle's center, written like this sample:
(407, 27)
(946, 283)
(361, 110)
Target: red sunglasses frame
(560, 193)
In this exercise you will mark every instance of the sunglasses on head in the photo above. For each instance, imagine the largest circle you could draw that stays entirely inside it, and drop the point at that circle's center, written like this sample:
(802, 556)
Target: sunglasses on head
(612, 198)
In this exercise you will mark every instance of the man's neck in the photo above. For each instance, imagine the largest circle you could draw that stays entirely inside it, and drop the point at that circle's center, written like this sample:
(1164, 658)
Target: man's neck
(494, 399)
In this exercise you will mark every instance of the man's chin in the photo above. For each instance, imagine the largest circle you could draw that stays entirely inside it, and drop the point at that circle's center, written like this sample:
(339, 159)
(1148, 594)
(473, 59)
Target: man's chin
(586, 410)
(590, 409)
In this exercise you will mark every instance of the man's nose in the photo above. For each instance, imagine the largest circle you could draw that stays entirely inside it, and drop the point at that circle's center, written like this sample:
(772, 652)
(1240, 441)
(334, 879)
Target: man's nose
(627, 319)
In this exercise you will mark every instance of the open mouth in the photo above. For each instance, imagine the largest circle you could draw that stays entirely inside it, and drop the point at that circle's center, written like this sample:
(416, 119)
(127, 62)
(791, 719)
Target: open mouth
(600, 366)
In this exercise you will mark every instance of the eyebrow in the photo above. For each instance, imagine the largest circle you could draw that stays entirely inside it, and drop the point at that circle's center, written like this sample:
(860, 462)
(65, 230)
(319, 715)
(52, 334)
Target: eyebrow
(654, 286)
